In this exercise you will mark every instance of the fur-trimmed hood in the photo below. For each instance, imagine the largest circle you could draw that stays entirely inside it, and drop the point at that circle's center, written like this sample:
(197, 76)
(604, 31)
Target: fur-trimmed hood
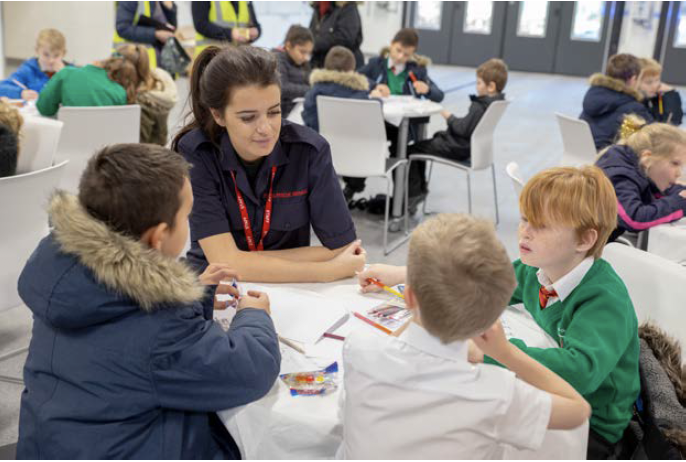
(117, 274)
(163, 96)
(421, 60)
(602, 80)
(350, 79)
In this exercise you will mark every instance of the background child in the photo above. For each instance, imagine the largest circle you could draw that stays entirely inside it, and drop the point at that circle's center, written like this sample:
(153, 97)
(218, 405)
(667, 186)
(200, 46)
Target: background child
(122, 353)
(567, 215)
(455, 142)
(644, 168)
(663, 101)
(394, 386)
(612, 96)
(30, 78)
(10, 127)
(294, 66)
(156, 95)
(111, 82)
(399, 71)
(339, 79)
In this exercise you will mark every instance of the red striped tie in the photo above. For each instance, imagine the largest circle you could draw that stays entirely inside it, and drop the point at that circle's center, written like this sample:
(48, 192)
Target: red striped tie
(544, 295)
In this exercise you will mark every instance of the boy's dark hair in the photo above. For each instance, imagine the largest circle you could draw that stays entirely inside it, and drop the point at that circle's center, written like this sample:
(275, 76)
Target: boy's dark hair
(298, 35)
(494, 70)
(9, 150)
(406, 37)
(133, 187)
(623, 66)
(339, 59)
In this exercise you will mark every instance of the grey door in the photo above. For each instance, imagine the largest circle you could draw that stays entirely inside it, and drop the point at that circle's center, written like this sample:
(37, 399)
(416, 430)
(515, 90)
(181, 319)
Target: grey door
(583, 40)
(433, 21)
(674, 50)
(477, 32)
(531, 30)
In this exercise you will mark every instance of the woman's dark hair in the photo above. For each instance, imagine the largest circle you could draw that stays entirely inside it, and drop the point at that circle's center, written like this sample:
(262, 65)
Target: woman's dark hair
(216, 74)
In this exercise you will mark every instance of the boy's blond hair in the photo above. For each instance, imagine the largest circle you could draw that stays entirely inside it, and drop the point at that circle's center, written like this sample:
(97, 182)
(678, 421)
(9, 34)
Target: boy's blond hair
(461, 275)
(10, 116)
(53, 40)
(649, 67)
(494, 70)
(582, 198)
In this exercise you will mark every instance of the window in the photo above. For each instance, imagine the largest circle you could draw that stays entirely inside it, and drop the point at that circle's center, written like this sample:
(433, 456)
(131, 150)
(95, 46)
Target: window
(428, 15)
(533, 19)
(680, 39)
(588, 20)
(478, 17)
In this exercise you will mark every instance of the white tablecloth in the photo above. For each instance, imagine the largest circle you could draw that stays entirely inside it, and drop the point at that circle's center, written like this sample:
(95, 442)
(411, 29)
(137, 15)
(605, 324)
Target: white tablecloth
(280, 426)
(397, 107)
(669, 241)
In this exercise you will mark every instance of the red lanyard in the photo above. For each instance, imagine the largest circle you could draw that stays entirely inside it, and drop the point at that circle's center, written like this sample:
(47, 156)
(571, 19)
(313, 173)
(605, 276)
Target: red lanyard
(246, 219)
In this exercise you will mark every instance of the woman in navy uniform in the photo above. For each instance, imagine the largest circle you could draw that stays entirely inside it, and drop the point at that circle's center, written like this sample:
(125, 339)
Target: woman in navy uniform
(259, 183)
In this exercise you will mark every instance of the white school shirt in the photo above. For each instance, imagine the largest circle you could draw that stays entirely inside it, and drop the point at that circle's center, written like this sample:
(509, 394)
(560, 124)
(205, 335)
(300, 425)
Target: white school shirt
(567, 283)
(413, 397)
(398, 67)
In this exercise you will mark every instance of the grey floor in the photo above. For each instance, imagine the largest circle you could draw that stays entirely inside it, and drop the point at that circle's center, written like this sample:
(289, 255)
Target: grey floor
(528, 134)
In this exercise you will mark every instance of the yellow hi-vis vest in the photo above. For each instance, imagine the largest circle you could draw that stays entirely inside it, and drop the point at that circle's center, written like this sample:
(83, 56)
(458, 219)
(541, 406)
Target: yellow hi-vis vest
(144, 9)
(224, 15)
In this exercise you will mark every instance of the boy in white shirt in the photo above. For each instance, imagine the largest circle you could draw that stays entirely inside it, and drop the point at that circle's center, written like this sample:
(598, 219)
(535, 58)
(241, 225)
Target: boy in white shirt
(416, 396)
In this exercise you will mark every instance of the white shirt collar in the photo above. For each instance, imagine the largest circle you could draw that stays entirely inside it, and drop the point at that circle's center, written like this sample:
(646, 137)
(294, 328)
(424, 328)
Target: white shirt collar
(416, 336)
(398, 67)
(567, 283)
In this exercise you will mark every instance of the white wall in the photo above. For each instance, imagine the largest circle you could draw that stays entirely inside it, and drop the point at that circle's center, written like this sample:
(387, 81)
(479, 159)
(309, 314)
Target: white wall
(87, 26)
(380, 22)
(639, 28)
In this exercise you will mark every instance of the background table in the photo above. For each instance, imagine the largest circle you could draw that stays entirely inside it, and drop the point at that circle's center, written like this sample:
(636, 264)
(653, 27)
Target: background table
(280, 426)
(669, 241)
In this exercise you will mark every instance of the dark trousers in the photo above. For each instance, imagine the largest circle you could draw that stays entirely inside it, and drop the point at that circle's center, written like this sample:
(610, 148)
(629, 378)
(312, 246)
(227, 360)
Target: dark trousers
(599, 448)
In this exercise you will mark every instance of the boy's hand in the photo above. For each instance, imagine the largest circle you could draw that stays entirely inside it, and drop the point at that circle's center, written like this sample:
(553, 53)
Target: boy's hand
(216, 273)
(664, 88)
(375, 93)
(351, 260)
(420, 87)
(494, 343)
(383, 89)
(386, 274)
(475, 355)
(225, 289)
(29, 95)
(446, 114)
(254, 299)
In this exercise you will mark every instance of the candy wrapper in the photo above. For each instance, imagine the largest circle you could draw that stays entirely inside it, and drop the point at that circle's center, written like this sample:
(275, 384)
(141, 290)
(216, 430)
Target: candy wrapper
(312, 383)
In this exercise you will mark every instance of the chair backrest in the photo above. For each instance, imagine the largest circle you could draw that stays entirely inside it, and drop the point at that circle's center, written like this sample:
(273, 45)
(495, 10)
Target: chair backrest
(355, 130)
(578, 147)
(657, 287)
(87, 129)
(482, 138)
(38, 143)
(25, 222)
(515, 175)
(296, 114)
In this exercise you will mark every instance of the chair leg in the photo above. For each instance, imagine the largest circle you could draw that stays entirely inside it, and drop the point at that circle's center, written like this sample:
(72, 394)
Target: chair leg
(385, 218)
(469, 192)
(428, 180)
(406, 198)
(495, 195)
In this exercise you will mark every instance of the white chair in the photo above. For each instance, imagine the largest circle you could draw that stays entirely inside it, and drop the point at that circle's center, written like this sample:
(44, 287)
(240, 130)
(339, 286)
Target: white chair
(355, 130)
(24, 224)
(481, 156)
(515, 175)
(578, 147)
(657, 287)
(38, 143)
(87, 129)
(296, 114)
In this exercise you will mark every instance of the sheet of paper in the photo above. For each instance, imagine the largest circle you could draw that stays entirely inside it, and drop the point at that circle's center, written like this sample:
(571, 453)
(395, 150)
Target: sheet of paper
(301, 315)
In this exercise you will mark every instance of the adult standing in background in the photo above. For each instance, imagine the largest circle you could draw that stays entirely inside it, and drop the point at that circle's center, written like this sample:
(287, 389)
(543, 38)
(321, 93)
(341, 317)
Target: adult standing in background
(233, 22)
(336, 23)
(136, 23)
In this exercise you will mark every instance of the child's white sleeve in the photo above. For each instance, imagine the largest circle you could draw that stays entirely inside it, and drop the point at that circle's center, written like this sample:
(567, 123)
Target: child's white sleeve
(526, 418)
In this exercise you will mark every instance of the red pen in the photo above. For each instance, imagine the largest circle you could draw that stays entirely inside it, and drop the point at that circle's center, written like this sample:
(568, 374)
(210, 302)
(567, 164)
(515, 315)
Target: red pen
(333, 336)
(412, 76)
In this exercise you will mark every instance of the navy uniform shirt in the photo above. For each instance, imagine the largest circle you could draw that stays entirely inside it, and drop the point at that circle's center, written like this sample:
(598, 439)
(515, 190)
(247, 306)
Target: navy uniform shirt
(306, 192)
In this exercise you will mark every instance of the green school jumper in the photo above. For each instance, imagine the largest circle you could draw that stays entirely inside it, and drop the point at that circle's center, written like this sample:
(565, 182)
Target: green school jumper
(395, 82)
(80, 86)
(597, 330)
